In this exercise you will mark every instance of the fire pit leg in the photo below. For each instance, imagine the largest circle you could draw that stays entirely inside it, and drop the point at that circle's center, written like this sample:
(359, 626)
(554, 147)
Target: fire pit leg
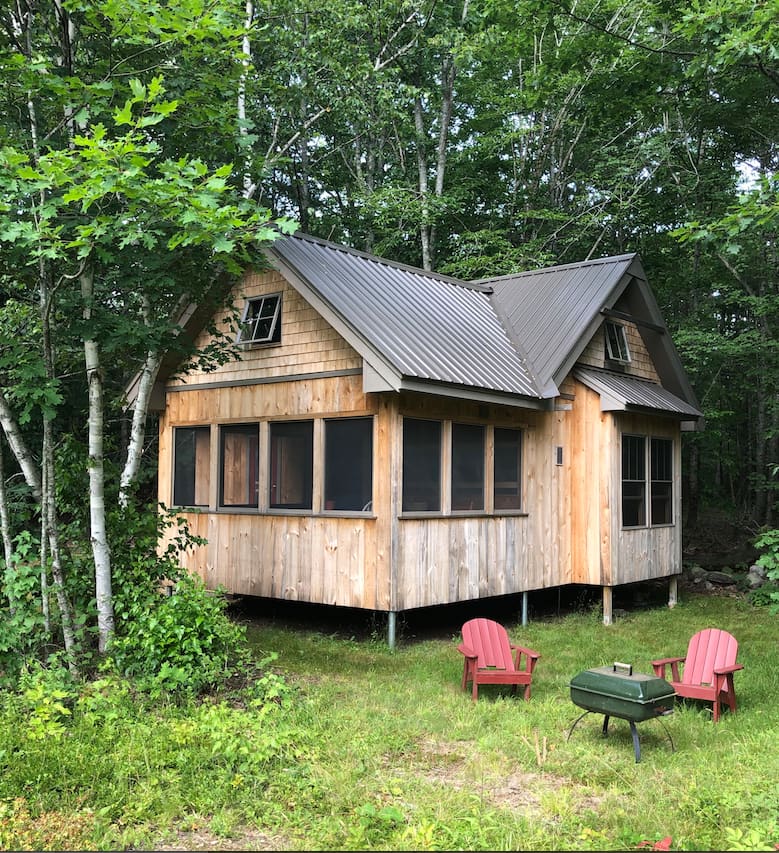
(606, 725)
(636, 745)
(574, 724)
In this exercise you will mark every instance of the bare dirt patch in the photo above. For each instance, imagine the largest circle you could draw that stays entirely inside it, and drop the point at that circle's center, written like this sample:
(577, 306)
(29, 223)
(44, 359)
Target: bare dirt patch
(241, 839)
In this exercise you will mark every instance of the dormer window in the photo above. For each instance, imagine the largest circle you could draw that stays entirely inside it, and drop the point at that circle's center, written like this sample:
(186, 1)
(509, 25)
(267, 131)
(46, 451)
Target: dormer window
(261, 323)
(617, 343)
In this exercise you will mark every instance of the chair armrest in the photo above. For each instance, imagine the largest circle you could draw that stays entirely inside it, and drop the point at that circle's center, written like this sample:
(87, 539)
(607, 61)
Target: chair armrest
(725, 670)
(660, 666)
(531, 657)
(523, 650)
(664, 661)
(467, 651)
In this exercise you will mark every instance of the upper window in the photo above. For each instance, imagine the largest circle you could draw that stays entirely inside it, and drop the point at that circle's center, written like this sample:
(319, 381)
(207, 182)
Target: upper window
(616, 343)
(349, 464)
(261, 323)
(191, 465)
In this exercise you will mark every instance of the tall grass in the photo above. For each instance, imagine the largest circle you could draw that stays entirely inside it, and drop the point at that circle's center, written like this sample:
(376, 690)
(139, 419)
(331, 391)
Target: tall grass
(373, 749)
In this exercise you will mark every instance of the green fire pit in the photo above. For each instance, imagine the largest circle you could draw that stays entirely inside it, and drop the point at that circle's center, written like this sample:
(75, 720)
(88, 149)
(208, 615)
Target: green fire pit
(617, 691)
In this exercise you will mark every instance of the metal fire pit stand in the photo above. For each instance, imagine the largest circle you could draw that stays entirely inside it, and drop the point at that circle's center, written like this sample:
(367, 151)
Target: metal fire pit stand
(633, 731)
(619, 692)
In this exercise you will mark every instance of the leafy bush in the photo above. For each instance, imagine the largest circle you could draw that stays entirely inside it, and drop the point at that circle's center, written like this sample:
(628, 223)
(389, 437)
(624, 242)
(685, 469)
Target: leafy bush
(768, 543)
(21, 624)
(183, 643)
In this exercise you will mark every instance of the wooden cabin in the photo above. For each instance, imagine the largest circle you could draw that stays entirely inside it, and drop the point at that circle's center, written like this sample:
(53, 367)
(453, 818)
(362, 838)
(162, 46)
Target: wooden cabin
(387, 438)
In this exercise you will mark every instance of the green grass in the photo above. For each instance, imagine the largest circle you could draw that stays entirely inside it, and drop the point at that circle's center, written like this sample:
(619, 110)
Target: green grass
(377, 749)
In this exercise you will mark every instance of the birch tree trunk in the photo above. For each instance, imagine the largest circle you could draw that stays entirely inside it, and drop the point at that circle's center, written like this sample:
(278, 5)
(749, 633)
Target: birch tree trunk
(5, 526)
(97, 516)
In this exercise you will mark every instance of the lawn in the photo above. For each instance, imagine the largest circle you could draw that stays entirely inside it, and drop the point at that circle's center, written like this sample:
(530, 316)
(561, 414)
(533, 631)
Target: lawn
(360, 747)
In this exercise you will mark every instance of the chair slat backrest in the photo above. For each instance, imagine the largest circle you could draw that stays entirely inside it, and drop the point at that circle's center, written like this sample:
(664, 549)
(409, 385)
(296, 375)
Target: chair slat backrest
(490, 641)
(708, 649)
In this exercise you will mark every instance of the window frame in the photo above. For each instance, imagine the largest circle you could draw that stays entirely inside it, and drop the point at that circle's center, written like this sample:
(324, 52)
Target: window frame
(329, 487)
(649, 482)
(447, 478)
(247, 321)
(196, 485)
(308, 469)
(250, 429)
(655, 482)
(617, 348)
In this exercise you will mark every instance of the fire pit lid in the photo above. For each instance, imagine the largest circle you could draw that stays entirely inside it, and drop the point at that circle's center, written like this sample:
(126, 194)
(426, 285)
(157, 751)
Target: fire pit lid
(619, 681)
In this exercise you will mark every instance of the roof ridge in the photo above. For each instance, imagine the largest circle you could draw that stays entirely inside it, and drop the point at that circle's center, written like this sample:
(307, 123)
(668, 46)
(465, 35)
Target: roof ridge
(610, 259)
(377, 259)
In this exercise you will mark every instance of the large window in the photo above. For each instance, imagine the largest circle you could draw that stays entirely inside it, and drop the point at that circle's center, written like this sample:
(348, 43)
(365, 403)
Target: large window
(291, 464)
(191, 466)
(508, 469)
(349, 464)
(261, 323)
(642, 476)
(464, 450)
(421, 465)
(467, 467)
(239, 470)
(661, 480)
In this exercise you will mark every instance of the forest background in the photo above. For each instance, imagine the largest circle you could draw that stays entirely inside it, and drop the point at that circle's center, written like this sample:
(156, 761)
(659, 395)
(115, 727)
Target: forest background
(149, 149)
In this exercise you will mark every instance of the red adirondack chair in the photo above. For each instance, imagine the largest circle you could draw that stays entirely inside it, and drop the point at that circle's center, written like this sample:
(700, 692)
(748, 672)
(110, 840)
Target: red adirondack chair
(489, 659)
(706, 670)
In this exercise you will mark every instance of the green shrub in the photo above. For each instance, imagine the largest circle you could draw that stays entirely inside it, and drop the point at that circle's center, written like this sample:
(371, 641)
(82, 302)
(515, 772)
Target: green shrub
(768, 543)
(22, 628)
(182, 643)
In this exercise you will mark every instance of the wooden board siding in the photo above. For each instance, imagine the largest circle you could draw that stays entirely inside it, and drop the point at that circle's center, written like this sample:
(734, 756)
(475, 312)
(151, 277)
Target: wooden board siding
(640, 366)
(590, 505)
(442, 560)
(644, 553)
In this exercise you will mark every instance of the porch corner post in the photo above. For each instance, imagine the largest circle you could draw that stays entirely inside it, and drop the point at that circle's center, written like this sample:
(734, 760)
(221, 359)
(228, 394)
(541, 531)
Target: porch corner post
(391, 617)
(673, 590)
(607, 600)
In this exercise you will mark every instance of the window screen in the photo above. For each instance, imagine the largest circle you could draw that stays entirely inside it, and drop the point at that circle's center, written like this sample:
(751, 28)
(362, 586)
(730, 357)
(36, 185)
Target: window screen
(633, 481)
(191, 466)
(349, 464)
(421, 465)
(508, 469)
(239, 465)
(291, 464)
(467, 467)
(661, 470)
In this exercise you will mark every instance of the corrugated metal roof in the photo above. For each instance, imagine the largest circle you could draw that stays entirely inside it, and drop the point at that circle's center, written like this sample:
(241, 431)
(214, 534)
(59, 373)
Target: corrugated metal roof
(620, 392)
(427, 326)
(551, 310)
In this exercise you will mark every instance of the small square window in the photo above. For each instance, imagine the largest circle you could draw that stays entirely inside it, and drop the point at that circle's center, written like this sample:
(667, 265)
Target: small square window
(617, 343)
(261, 323)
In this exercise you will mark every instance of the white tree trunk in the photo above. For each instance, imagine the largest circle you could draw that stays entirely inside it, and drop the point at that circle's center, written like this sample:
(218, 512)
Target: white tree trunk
(97, 515)
(5, 525)
(19, 449)
(151, 367)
